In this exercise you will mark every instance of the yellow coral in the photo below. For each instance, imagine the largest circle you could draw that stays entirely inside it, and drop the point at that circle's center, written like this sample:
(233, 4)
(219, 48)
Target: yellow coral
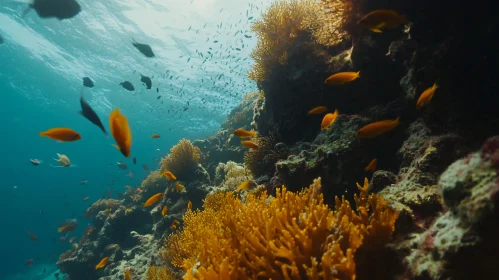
(276, 33)
(183, 158)
(331, 21)
(291, 236)
(159, 273)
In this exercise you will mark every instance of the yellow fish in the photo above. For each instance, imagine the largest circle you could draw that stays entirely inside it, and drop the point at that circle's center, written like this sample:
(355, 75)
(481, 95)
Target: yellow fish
(61, 134)
(153, 199)
(155, 136)
(342, 78)
(329, 119)
(426, 96)
(127, 273)
(102, 263)
(189, 205)
(372, 165)
(250, 144)
(169, 175)
(382, 19)
(375, 129)
(164, 212)
(244, 133)
(317, 110)
(246, 185)
(121, 132)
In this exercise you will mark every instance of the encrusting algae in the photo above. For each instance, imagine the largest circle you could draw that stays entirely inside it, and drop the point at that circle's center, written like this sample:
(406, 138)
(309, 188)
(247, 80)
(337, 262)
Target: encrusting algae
(291, 236)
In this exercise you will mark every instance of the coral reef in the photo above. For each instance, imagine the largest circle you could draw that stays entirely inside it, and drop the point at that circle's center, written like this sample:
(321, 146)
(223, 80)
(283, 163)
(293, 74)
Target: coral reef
(445, 201)
(291, 236)
(182, 160)
(230, 175)
(470, 193)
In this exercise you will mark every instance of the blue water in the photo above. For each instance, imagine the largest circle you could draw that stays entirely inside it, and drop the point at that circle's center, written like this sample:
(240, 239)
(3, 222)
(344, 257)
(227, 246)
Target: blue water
(42, 63)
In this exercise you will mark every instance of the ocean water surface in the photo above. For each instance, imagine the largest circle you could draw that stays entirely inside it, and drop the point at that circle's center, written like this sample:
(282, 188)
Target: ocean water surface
(198, 75)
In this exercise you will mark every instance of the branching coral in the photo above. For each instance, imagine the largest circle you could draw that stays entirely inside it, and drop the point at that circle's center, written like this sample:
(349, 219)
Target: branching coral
(259, 160)
(331, 21)
(159, 273)
(233, 174)
(183, 158)
(277, 31)
(101, 205)
(291, 236)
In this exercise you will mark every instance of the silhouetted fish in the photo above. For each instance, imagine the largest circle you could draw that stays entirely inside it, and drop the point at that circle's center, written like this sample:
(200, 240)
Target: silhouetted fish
(1, 39)
(60, 9)
(127, 85)
(146, 80)
(143, 48)
(87, 82)
(134, 160)
(90, 114)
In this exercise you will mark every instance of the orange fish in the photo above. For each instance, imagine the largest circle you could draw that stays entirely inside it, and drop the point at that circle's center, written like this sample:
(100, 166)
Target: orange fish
(61, 134)
(164, 212)
(372, 165)
(169, 175)
(102, 263)
(189, 205)
(342, 77)
(426, 96)
(127, 273)
(246, 185)
(375, 129)
(153, 199)
(67, 228)
(32, 236)
(317, 110)
(121, 132)
(155, 136)
(179, 187)
(250, 144)
(244, 133)
(68, 225)
(382, 19)
(329, 119)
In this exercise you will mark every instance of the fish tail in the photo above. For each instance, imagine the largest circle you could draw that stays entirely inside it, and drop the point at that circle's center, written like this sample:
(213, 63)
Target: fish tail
(397, 120)
(42, 134)
(358, 74)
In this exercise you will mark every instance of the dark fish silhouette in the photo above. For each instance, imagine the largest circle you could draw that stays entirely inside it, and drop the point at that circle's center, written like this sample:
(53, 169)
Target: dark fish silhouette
(146, 80)
(1, 39)
(127, 85)
(134, 160)
(90, 114)
(143, 48)
(60, 9)
(87, 82)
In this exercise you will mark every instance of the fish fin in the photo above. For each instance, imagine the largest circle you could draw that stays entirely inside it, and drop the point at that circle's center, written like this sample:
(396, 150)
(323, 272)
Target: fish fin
(116, 146)
(358, 74)
(41, 134)
(26, 10)
(376, 30)
(59, 141)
